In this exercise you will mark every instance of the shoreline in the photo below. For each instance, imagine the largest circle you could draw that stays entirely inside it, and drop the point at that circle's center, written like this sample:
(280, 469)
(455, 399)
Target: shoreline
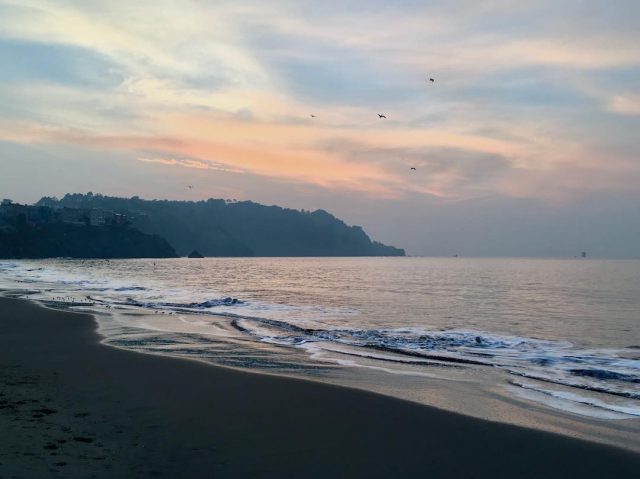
(485, 400)
(490, 398)
(117, 413)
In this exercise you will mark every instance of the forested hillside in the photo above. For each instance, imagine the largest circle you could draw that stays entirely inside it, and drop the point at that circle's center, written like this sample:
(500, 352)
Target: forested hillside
(217, 227)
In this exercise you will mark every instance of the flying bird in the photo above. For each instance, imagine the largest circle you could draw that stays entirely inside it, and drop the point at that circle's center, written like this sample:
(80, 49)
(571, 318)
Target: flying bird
(312, 116)
(413, 168)
(432, 80)
(189, 186)
(382, 116)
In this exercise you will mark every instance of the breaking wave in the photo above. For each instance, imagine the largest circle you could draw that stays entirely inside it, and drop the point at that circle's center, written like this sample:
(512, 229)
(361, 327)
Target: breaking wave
(594, 377)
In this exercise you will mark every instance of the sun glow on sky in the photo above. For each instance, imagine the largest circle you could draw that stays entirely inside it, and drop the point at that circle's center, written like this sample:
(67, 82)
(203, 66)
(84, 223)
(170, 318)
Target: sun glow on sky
(534, 100)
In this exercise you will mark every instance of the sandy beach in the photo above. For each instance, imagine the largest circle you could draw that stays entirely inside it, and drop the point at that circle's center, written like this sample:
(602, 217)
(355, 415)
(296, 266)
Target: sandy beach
(72, 407)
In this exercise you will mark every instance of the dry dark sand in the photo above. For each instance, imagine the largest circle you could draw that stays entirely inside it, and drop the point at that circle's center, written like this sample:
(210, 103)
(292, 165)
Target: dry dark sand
(71, 407)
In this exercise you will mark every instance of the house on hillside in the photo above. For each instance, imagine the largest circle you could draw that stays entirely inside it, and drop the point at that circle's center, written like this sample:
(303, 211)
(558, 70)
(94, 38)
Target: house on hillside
(100, 217)
(40, 215)
(73, 216)
(118, 219)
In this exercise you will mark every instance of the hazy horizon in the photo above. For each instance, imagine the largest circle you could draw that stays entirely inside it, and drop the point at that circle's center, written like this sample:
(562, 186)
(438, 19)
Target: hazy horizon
(531, 249)
(525, 145)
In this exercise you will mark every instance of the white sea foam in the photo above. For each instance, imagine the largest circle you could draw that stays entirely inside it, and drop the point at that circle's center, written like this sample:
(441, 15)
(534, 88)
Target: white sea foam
(328, 329)
(577, 403)
(321, 355)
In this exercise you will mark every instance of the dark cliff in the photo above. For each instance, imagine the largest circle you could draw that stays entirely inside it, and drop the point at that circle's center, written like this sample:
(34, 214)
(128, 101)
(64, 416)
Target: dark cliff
(217, 227)
(22, 240)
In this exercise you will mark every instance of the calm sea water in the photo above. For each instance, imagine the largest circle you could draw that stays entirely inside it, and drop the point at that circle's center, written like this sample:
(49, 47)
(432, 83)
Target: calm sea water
(565, 333)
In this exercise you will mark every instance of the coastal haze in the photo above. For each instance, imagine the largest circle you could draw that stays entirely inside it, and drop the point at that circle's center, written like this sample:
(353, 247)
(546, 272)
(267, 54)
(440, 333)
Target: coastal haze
(524, 145)
(301, 239)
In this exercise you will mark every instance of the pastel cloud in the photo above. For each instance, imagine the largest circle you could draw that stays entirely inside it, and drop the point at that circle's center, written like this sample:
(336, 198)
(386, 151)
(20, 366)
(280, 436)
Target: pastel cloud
(230, 87)
(188, 163)
(625, 105)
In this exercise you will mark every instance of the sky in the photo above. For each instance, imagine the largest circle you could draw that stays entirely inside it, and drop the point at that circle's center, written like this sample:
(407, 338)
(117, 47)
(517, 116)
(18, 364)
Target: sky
(526, 144)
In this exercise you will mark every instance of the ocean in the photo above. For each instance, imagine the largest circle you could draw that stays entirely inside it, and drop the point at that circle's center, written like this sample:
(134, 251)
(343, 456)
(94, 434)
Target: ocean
(539, 342)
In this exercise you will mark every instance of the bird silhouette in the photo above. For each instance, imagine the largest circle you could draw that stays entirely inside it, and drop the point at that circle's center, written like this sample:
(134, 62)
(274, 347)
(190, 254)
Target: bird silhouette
(189, 186)
(413, 168)
(312, 116)
(382, 116)
(432, 80)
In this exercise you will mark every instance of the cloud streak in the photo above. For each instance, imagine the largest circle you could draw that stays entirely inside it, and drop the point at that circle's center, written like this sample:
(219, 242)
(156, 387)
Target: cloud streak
(531, 100)
(190, 163)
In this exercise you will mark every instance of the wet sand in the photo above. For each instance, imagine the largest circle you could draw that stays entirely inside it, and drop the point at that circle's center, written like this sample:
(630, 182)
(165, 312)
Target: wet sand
(72, 407)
